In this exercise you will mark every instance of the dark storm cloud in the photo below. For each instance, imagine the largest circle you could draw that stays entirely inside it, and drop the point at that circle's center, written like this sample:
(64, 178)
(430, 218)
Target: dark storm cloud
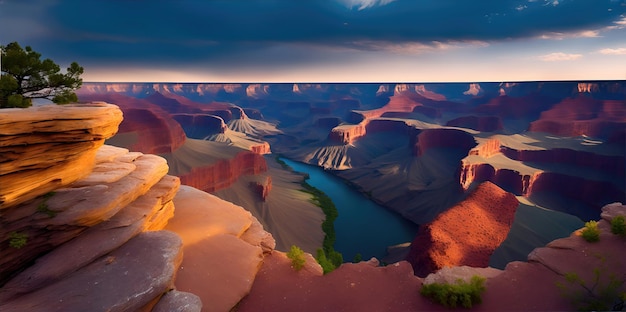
(191, 30)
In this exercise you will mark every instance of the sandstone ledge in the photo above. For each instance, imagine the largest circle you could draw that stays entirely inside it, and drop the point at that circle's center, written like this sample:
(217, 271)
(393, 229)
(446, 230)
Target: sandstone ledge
(44, 148)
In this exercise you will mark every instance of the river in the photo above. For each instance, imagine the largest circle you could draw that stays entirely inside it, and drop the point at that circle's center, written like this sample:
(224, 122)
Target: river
(362, 226)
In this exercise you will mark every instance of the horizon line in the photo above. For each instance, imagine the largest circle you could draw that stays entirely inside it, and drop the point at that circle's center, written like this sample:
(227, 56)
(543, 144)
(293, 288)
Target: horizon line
(362, 82)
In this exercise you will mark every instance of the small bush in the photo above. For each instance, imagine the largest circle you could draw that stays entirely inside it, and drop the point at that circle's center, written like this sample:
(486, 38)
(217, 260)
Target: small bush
(17, 240)
(297, 257)
(591, 233)
(618, 225)
(461, 293)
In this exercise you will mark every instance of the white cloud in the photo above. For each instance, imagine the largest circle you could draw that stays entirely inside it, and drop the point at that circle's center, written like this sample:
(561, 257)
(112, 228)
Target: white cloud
(610, 51)
(364, 4)
(578, 34)
(559, 56)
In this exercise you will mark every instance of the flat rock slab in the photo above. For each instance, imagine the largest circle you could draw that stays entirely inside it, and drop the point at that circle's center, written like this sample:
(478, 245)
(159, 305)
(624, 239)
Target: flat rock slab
(127, 279)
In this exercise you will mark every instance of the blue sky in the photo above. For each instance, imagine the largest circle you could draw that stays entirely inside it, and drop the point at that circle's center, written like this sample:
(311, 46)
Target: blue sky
(325, 40)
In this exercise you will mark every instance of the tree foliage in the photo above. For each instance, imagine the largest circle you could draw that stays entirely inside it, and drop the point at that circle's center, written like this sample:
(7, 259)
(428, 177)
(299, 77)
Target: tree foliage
(25, 77)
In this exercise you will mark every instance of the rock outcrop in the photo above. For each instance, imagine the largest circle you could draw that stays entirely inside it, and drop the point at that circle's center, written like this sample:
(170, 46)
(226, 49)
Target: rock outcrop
(68, 249)
(48, 147)
(466, 234)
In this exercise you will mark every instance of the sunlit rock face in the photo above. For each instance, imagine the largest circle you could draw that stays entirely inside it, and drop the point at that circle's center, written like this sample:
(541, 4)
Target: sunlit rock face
(467, 233)
(47, 147)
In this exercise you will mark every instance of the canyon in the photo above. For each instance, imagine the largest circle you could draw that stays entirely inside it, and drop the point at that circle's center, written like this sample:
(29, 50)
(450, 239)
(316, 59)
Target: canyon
(499, 177)
(417, 149)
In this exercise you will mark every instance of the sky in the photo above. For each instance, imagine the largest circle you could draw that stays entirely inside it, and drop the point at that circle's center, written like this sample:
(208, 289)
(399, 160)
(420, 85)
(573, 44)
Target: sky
(325, 40)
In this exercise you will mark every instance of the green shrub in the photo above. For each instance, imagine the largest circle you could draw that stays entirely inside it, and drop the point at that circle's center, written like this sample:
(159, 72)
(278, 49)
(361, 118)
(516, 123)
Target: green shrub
(461, 293)
(324, 262)
(591, 233)
(618, 225)
(357, 258)
(602, 294)
(17, 240)
(297, 257)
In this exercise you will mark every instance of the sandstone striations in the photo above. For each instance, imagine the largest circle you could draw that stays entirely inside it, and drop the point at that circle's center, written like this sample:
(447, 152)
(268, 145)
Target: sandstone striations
(49, 147)
(466, 234)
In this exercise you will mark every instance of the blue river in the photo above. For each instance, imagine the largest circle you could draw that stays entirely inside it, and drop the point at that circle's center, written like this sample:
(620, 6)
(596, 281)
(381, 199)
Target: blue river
(362, 226)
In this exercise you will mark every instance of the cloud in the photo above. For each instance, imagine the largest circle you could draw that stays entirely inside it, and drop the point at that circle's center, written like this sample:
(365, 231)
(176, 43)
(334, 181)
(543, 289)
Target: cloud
(576, 34)
(610, 51)
(415, 47)
(364, 4)
(229, 32)
(559, 56)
